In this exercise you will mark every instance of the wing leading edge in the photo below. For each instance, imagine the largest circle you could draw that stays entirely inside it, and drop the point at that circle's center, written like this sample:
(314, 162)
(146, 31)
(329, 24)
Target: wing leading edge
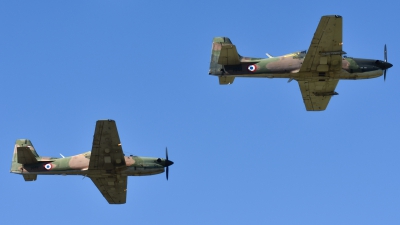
(106, 161)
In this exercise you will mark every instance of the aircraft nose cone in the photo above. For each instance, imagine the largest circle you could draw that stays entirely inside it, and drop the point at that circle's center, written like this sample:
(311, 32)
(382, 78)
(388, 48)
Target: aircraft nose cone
(384, 65)
(388, 65)
(168, 162)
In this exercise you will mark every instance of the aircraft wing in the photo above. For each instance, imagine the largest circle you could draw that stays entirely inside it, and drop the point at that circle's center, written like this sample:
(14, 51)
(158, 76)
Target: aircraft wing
(106, 162)
(316, 94)
(325, 52)
(106, 149)
(322, 61)
(112, 187)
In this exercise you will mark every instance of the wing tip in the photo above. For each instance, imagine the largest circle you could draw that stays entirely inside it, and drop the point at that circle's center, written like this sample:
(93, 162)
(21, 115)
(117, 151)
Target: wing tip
(106, 120)
(335, 16)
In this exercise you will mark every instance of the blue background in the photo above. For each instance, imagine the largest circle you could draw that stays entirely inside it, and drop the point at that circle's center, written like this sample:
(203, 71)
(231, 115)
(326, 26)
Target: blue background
(247, 153)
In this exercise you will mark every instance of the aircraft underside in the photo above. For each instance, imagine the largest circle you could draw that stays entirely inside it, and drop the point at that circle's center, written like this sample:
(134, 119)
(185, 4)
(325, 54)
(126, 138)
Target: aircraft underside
(344, 75)
(130, 171)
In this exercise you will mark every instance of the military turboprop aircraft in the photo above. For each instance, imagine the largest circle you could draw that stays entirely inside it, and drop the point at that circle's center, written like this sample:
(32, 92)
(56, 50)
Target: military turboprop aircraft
(106, 165)
(317, 70)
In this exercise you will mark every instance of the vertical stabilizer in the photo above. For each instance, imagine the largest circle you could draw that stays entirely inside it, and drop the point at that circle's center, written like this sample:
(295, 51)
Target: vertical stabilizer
(26, 143)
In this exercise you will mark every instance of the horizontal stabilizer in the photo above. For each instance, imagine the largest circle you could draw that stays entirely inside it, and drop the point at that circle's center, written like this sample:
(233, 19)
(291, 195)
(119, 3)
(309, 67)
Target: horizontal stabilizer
(228, 55)
(25, 156)
(226, 79)
(30, 177)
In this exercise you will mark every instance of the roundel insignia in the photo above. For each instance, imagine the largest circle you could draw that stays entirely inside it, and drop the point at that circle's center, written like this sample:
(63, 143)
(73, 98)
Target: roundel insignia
(48, 166)
(252, 68)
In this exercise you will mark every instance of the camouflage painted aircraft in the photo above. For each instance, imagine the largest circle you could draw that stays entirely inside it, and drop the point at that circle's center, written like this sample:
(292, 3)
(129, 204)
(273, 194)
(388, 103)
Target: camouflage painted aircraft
(317, 70)
(106, 165)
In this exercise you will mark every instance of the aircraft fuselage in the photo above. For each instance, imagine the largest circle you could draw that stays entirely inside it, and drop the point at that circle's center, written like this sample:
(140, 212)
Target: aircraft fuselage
(79, 164)
(288, 66)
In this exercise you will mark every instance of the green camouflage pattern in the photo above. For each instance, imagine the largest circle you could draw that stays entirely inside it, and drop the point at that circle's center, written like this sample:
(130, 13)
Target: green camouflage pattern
(317, 70)
(79, 164)
(287, 66)
(106, 165)
(218, 69)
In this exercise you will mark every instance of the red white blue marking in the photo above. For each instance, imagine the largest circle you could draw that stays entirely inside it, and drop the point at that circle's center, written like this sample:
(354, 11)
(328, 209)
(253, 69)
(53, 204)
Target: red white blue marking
(48, 166)
(252, 68)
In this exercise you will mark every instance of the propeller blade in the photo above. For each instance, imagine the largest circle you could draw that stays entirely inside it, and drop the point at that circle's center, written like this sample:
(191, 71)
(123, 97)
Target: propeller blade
(167, 161)
(385, 53)
(385, 59)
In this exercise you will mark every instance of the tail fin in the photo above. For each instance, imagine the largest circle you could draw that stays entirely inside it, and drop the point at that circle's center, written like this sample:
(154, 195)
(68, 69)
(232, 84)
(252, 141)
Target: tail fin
(24, 153)
(223, 52)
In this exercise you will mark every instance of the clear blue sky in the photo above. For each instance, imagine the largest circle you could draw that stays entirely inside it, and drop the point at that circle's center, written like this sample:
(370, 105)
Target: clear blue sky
(248, 153)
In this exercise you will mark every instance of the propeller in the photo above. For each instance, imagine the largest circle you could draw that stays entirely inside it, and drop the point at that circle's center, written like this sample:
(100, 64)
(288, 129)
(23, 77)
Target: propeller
(167, 162)
(385, 58)
(384, 65)
(166, 157)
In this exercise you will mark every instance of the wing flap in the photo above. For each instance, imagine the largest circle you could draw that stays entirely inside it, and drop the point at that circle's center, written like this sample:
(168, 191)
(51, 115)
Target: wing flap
(316, 94)
(25, 156)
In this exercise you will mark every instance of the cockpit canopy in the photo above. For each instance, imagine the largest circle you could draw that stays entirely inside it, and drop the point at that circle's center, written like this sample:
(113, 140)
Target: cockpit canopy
(297, 55)
(87, 154)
